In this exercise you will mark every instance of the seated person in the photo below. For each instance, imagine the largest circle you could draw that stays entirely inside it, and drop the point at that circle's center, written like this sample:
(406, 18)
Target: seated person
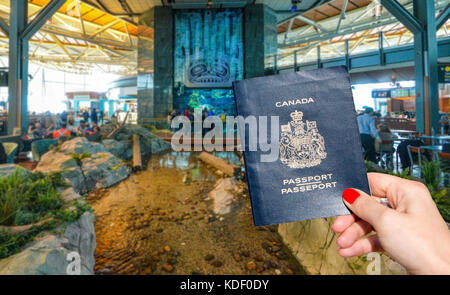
(38, 132)
(95, 127)
(63, 131)
(88, 130)
(384, 135)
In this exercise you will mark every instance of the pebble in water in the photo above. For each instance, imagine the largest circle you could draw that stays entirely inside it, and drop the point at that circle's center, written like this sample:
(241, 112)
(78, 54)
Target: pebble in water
(209, 257)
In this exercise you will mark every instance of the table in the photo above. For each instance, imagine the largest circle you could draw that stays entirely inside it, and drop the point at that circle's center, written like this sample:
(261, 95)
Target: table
(433, 148)
(409, 133)
(440, 138)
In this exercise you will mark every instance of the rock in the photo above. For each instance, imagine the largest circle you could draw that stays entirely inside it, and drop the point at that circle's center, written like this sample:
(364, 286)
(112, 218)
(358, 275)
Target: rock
(69, 194)
(276, 248)
(245, 253)
(49, 254)
(119, 149)
(259, 268)
(168, 267)
(217, 263)
(9, 169)
(81, 237)
(103, 170)
(274, 264)
(99, 169)
(54, 161)
(251, 265)
(223, 195)
(209, 257)
(309, 250)
(80, 145)
(149, 142)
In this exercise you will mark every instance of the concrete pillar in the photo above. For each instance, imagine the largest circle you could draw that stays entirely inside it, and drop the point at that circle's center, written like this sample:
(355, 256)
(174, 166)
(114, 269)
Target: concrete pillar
(260, 38)
(155, 66)
(426, 69)
(18, 68)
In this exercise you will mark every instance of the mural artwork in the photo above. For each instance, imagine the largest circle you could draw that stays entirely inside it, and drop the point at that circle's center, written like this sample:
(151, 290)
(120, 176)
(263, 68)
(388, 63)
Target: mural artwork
(208, 57)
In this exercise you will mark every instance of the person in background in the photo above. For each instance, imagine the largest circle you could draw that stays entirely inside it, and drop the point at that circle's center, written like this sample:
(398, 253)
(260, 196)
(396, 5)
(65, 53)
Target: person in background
(384, 134)
(94, 117)
(63, 131)
(368, 133)
(71, 126)
(95, 127)
(87, 130)
(38, 132)
(100, 116)
(113, 119)
(63, 116)
(81, 127)
(210, 112)
(223, 116)
(445, 123)
(169, 120)
(85, 116)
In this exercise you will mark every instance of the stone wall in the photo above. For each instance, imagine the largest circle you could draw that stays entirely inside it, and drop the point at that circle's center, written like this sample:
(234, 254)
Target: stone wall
(313, 243)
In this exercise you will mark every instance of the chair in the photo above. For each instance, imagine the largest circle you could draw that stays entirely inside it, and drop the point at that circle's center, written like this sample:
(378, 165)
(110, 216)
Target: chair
(386, 149)
(419, 152)
(40, 147)
(444, 159)
(10, 151)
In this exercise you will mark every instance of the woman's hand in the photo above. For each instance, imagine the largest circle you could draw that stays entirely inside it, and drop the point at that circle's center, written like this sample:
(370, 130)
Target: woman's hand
(413, 232)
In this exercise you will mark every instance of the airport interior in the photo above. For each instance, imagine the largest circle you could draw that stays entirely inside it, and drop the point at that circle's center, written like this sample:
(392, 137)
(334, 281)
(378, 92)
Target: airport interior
(89, 95)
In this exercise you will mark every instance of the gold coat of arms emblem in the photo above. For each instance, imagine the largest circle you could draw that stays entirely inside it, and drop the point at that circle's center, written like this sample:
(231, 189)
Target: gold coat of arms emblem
(301, 145)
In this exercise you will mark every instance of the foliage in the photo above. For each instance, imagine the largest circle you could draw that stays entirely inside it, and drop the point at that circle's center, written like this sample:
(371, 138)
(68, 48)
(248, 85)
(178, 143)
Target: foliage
(431, 173)
(79, 157)
(12, 243)
(26, 199)
(404, 174)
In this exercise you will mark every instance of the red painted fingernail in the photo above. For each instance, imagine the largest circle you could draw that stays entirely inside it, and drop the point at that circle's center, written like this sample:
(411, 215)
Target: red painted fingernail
(350, 195)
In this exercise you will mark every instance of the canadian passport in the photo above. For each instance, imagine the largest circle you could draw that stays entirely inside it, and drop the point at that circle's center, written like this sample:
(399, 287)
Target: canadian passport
(319, 147)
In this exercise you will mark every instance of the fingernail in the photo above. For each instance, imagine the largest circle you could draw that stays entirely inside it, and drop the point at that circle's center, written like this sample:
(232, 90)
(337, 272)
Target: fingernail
(350, 195)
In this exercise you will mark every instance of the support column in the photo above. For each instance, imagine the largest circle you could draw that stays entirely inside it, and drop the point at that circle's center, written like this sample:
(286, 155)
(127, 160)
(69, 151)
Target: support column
(18, 68)
(155, 66)
(423, 25)
(260, 38)
(20, 31)
(425, 47)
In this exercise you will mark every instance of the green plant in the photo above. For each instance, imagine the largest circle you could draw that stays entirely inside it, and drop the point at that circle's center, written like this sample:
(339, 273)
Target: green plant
(404, 174)
(27, 198)
(79, 157)
(431, 173)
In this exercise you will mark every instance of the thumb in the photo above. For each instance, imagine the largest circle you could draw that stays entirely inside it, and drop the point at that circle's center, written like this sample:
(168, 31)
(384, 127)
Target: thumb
(364, 206)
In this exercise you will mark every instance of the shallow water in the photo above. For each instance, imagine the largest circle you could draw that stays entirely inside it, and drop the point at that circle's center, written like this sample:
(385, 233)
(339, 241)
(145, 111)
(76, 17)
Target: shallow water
(160, 221)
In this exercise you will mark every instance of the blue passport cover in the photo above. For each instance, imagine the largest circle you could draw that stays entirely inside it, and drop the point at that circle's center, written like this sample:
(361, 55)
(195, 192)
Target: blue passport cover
(320, 152)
